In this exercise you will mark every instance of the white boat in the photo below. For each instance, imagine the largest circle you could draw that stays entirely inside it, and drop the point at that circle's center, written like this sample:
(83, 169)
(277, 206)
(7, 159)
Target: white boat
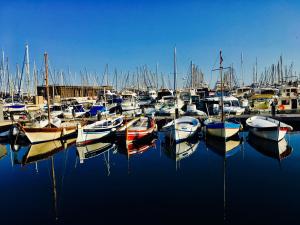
(152, 94)
(191, 110)
(98, 130)
(267, 128)
(37, 135)
(129, 101)
(182, 128)
(221, 129)
(75, 111)
(168, 104)
(231, 104)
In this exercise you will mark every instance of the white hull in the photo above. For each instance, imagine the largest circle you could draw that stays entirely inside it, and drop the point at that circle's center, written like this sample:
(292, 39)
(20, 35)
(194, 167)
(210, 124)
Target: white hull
(129, 107)
(69, 115)
(86, 137)
(267, 128)
(42, 136)
(274, 135)
(181, 129)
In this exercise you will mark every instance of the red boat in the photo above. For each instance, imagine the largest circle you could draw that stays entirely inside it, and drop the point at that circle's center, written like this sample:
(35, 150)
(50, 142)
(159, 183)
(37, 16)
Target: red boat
(138, 129)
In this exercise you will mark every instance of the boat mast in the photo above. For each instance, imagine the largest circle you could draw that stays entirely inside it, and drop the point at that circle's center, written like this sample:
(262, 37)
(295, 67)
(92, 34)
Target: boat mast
(27, 70)
(47, 86)
(242, 70)
(192, 74)
(221, 79)
(175, 71)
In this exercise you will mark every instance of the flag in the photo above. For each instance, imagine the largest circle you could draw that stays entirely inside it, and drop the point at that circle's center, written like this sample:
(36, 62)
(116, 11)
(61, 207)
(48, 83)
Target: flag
(221, 58)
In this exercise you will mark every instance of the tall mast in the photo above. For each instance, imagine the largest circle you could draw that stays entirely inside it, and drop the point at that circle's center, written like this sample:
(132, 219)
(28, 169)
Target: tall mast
(35, 78)
(47, 86)
(192, 75)
(27, 71)
(221, 78)
(242, 70)
(175, 70)
(256, 70)
(156, 73)
(2, 75)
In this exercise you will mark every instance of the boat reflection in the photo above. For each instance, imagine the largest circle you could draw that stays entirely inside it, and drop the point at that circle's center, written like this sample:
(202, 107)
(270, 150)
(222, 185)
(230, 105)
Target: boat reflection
(43, 151)
(276, 150)
(225, 148)
(181, 150)
(3, 151)
(93, 150)
(134, 148)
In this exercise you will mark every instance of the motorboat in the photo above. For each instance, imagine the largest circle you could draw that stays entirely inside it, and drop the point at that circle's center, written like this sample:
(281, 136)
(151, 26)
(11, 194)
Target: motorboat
(267, 128)
(191, 110)
(74, 111)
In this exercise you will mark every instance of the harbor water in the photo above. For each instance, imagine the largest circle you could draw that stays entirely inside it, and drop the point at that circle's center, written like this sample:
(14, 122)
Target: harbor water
(255, 182)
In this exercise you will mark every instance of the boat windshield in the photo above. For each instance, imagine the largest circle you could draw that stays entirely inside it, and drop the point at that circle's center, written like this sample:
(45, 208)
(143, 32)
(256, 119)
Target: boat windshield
(227, 104)
(235, 103)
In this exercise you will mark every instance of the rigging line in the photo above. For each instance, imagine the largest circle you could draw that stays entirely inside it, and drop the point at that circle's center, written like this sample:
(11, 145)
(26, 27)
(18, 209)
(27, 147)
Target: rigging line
(213, 66)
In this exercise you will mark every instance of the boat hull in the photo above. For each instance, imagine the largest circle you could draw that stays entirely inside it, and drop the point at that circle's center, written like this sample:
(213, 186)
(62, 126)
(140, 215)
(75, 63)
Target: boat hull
(273, 134)
(88, 136)
(182, 128)
(37, 135)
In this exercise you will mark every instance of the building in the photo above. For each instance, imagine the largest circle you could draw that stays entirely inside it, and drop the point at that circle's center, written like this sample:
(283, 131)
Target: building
(69, 91)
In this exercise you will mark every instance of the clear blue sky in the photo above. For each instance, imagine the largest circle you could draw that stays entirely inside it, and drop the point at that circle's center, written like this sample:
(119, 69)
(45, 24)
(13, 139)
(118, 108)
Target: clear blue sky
(129, 33)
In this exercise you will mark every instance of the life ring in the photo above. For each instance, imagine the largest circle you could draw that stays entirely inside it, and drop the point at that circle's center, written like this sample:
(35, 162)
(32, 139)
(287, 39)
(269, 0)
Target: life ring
(281, 107)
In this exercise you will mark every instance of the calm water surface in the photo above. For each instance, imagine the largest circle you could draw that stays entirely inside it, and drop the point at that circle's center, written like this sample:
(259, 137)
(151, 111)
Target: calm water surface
(256, 182)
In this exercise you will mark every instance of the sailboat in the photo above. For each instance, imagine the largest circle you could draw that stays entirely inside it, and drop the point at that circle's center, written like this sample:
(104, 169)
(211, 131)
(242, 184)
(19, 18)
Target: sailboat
(220, 127)
(182, 128)
(50, 132)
